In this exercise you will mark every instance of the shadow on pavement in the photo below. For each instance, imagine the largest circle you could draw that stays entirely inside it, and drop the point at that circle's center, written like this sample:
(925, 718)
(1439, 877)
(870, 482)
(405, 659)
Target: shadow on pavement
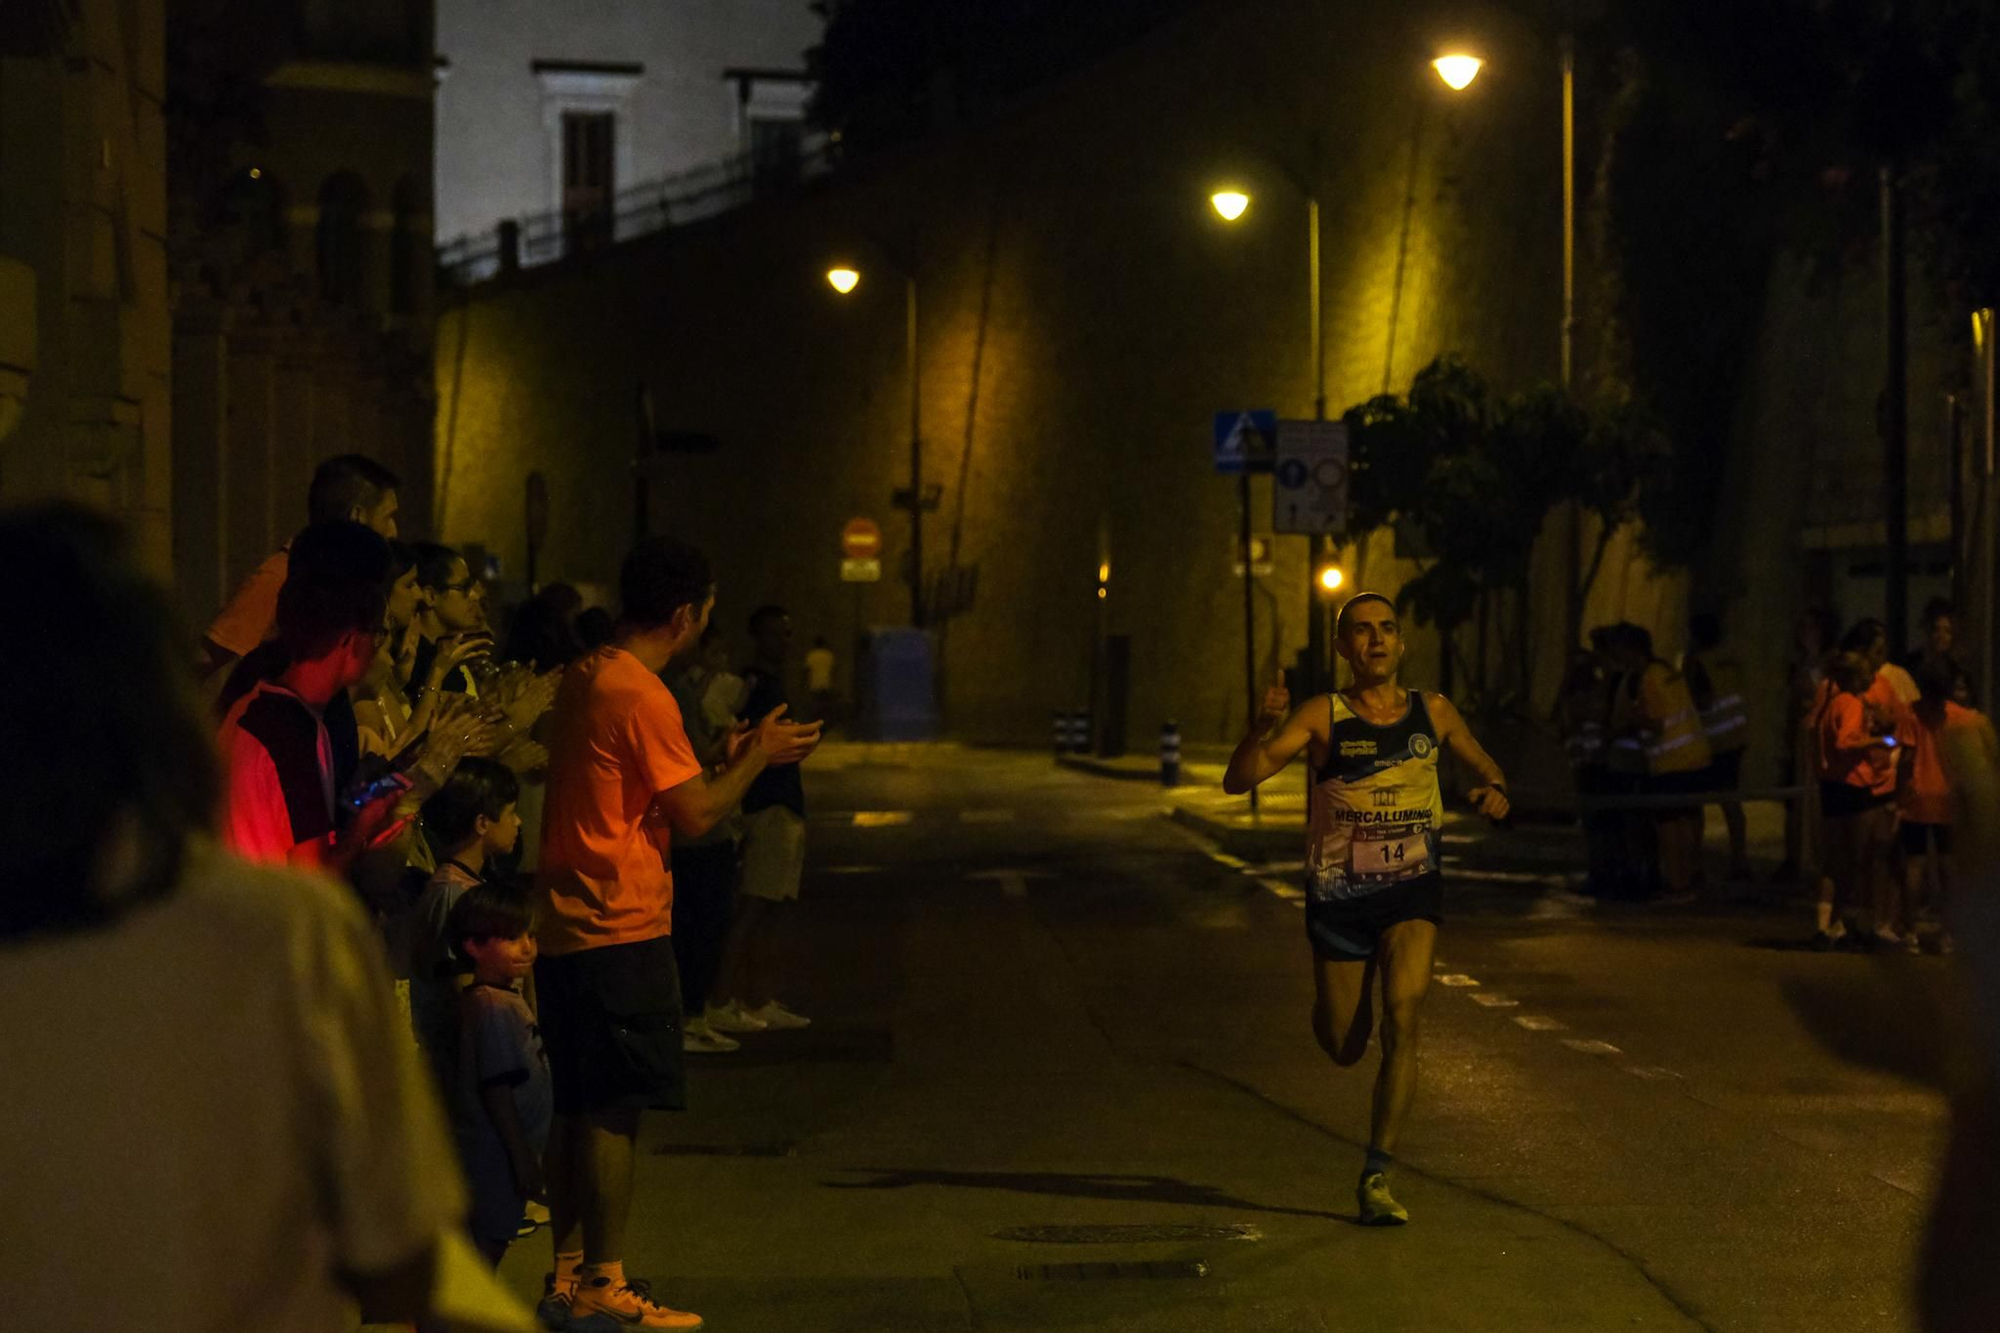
(1117, 1189)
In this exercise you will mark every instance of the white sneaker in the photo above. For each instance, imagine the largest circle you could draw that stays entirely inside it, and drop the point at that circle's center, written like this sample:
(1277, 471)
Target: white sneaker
(774, 1015)
(732, 1017)
(698, 1038)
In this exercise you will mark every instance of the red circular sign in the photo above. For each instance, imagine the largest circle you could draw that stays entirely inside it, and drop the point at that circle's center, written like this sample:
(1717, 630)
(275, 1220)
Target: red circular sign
(861, 539)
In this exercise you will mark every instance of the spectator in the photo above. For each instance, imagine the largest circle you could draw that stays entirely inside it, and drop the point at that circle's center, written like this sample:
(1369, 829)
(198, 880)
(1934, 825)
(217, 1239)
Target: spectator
(704, 865)
(594, 628)
(1634, 827)
(282, 771)
(1715, 682)
(819, 677)
(774, 854)
(1582, 709)
(1660, 714)
(724, 694)
(1870, 638)
(500, 1099)
(1941, 645)
(238, 1020)
(542, 633)
(452, 611)
(623, 782)
(1925, 797)
(347, 487)
(472, 817)
(1857, 779)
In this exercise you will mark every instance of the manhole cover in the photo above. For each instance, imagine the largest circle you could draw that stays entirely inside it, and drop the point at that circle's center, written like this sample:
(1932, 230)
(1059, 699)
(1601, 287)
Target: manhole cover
(1110, 1272)
(1126, 1235)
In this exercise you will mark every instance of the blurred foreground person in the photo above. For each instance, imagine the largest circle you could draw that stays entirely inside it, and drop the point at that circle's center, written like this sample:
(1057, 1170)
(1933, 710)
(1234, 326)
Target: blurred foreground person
(1856, 758)
(210, 1097)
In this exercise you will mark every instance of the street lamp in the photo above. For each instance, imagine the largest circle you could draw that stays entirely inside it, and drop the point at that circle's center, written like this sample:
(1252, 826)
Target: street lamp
(1457, 71)
(1229, 204)
(1330, 578)
(844, 279)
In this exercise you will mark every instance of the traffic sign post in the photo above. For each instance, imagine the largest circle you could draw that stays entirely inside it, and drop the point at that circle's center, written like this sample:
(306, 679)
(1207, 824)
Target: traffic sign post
(1309, 479)
(1245, 442)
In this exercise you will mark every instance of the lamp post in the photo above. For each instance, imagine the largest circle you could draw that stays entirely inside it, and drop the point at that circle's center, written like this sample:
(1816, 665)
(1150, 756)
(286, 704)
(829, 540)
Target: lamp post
(845, 278)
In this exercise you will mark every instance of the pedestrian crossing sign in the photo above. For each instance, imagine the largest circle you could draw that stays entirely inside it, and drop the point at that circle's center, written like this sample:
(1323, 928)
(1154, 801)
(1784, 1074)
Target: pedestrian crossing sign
(1245, 441)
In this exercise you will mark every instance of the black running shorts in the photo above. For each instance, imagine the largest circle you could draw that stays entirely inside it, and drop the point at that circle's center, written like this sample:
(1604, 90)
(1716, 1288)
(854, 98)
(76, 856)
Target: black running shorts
(611, 1022)
(1349, 930)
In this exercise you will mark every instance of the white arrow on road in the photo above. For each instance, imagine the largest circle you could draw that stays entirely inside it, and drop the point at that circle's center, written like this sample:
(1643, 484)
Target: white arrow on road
(1013, 883)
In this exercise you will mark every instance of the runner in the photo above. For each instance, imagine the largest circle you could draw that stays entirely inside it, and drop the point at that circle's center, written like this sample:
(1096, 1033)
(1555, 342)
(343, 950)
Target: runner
(1374, 895)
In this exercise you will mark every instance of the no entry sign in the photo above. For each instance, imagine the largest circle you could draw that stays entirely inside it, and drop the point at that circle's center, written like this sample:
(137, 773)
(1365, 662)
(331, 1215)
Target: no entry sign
(861, 539)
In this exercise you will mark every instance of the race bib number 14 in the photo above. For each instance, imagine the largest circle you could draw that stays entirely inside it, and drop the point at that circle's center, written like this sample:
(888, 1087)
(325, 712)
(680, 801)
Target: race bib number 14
(1389, 856)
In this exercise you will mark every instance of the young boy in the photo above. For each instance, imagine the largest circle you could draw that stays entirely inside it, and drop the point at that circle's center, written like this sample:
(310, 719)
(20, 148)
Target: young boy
(470, 818)
(501, 1101)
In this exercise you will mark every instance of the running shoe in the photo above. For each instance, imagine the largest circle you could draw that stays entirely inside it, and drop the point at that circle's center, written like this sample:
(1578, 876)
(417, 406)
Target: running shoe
(601, 1306)
(701, 1039)
(732, 1017)
(775, 1016)
(1378, 1207)
(552, 1311)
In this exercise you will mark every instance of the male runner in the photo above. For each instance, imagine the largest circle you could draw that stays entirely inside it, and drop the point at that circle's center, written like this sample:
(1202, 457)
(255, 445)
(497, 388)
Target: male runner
(1374, 895)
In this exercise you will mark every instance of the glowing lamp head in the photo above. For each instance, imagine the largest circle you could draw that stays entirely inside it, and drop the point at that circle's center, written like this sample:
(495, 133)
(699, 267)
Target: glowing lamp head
(1457, 71)
(1330, 578)
(1229, 204)
(843, 280)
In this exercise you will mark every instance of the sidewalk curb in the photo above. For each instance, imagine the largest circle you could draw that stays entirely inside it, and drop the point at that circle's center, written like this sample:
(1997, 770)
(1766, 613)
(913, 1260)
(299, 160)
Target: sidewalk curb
(1107, 768)
(1262, 842)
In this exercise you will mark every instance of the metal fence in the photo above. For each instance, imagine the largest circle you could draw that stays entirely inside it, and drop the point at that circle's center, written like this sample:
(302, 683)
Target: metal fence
(639, 210)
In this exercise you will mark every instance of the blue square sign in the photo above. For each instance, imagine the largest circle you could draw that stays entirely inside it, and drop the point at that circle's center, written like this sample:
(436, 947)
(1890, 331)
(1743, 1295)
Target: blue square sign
(1245, 441)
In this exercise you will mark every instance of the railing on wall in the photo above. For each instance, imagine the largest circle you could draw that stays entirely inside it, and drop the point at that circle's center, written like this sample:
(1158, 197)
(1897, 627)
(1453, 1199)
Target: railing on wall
(639, 210)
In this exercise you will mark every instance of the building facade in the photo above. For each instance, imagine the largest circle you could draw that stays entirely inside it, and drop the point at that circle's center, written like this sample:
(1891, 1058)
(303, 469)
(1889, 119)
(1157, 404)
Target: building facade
(551, 110)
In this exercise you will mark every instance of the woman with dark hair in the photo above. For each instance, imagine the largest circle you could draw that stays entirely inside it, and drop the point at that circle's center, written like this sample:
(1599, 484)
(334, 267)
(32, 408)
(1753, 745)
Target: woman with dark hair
(235, 1022)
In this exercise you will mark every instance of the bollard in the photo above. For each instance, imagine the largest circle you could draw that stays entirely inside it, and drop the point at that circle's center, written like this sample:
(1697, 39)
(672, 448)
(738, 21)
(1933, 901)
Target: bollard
(1080, 733)
(1060, 725)
(1170, 754)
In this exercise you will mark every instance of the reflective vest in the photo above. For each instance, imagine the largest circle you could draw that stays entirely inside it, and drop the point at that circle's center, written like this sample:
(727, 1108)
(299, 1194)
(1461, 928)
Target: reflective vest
(1671, 730)
(1717, 687)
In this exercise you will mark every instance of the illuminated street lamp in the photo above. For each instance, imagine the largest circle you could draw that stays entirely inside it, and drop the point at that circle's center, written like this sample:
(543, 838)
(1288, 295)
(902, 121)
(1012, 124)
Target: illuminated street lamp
(1330, 578)
(1457, 71)
(1229, 204)
(842, 280)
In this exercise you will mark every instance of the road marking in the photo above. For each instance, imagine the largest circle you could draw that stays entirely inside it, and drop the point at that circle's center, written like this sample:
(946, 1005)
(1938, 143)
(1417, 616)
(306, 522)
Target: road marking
(1013, 883)
(1458, 979)
(1225, 859)
(1289, 892)
(986, 816)
(1654, 1072)
(1584, 1046)
(1456, 838)
(1536, 1023)
(881, 818)
(1493, 1000)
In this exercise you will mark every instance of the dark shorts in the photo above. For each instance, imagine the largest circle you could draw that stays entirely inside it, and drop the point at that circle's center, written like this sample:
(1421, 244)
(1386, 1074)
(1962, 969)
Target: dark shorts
(1837, 800)
(1724, 772)
(1922, 839)
(1686, 783)
(611, 1020)
(1351, 931)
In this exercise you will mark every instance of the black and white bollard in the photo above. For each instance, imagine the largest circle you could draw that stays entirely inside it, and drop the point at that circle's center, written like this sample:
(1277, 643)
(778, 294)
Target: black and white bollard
(1080, 730)
(1170, 754)
(1059, 723)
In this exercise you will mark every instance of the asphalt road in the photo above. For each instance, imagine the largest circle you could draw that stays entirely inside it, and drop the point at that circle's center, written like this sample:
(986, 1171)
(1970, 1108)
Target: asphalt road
(1047, 1017)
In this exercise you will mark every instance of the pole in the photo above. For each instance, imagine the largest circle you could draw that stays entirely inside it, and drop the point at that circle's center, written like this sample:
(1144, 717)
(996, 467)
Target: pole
(1573, 524)
(1249, 607)
(1895, 413)
(1989, 511)
(916, 455)
(1315, 545)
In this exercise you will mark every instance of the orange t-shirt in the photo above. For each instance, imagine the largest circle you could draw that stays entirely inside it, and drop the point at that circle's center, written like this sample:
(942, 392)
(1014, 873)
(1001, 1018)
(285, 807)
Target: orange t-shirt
(1926, 798)
(253, 607)
(615, 742)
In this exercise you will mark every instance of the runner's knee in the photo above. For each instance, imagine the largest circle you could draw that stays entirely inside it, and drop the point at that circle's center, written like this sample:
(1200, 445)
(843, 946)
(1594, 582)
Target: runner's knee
(1342, 1047)
(1399, 1025)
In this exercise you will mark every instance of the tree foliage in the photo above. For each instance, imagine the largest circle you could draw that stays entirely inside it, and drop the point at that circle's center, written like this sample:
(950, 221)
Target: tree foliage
(1471, 476)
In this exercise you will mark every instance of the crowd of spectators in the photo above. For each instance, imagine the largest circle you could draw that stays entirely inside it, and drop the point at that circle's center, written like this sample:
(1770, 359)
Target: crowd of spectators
(496, 833)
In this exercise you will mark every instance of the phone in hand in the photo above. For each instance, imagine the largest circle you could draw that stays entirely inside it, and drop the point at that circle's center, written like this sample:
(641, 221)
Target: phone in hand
(367, 793)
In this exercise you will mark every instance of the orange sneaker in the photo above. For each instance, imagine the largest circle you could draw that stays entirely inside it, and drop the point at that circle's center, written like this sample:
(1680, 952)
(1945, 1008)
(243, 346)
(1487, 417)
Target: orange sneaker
(602, 1306)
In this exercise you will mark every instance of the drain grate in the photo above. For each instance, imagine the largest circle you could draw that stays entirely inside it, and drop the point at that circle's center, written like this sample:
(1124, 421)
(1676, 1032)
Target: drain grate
(725, 1150)
(1166, 1233)
(1108, 1272)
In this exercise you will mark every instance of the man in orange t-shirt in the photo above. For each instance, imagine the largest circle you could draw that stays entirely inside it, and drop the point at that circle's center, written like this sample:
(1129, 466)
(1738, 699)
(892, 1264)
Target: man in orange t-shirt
(1925, 798)
(623, 779)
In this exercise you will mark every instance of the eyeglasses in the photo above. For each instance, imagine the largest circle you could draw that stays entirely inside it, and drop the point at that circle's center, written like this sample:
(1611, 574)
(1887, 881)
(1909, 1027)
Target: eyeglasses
(467, 586)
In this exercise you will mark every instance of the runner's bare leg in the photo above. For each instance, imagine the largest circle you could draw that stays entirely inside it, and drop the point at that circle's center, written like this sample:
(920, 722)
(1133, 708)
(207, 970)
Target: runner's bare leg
(1405, 953)
(1343, 1012)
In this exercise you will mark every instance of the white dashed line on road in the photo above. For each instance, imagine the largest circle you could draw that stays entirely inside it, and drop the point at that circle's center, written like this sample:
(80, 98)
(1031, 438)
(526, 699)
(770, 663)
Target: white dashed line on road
(1654, 1072)
(1584, 1046)
(1458, 979)
(1536, 1023)
(1291, 893)
(881, 818)
(1492, 1000)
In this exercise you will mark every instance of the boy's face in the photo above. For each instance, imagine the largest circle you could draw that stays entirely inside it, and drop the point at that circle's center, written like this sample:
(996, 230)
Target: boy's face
(504, 832)
(501, 962)
(460, 601)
